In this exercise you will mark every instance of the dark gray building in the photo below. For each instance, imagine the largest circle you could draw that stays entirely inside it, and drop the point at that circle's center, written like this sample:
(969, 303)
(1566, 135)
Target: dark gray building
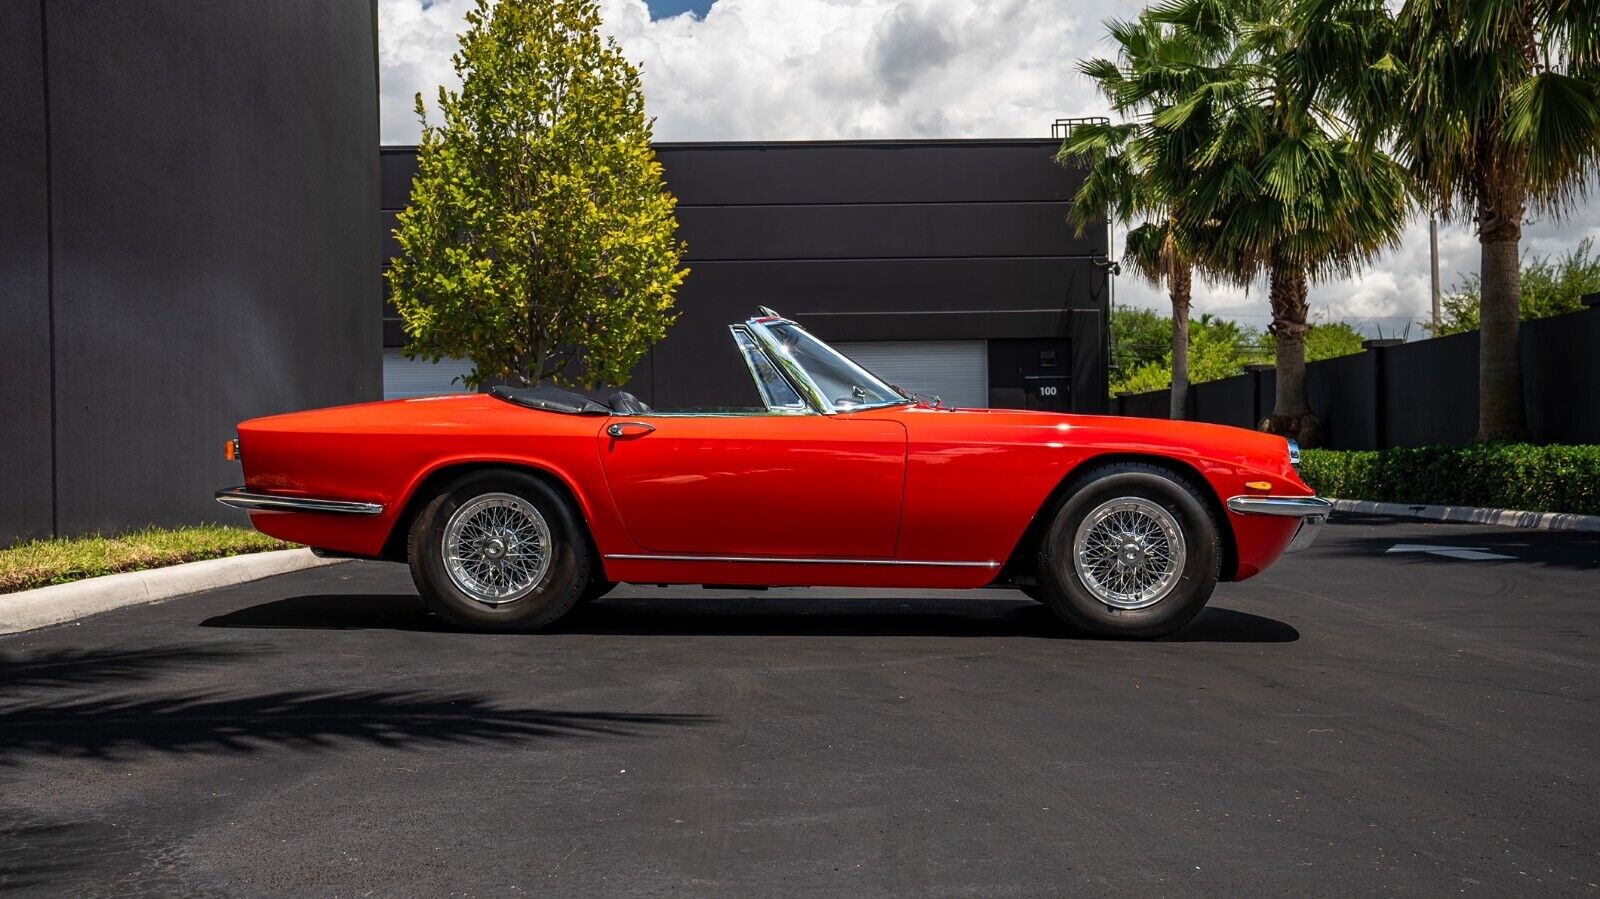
(188, 208)
(947, 266)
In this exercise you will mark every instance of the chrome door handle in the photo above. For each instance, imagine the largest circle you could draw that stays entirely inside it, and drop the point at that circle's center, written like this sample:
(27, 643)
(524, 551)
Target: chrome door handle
(629, 429)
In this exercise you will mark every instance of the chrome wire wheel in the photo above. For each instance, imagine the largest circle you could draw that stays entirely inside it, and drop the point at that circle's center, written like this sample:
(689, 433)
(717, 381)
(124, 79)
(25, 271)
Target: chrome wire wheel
(497, 548)
(1129, 552)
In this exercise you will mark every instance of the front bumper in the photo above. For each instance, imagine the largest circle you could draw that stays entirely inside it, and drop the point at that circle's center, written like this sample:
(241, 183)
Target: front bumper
(1311, 510)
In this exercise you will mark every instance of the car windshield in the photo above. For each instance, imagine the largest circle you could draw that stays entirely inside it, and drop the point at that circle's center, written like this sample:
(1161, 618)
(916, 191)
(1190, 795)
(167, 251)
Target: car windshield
(845, 384)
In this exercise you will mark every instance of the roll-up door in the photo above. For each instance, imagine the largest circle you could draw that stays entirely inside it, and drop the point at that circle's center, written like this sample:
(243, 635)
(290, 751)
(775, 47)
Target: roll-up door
(404, 377)
(956, 371)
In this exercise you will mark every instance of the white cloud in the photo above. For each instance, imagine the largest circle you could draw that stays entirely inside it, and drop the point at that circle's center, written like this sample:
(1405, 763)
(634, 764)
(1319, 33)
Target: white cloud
(820, 69)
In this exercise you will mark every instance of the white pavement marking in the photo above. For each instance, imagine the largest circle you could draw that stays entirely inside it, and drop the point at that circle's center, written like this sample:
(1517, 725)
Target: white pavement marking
(1470, 553)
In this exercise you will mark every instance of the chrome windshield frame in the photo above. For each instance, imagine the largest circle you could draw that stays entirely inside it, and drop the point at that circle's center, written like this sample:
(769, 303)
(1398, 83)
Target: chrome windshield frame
(796, 373)
(773, 408)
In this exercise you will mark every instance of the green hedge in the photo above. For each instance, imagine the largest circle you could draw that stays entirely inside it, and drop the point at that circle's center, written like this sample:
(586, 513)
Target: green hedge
(1493, 475)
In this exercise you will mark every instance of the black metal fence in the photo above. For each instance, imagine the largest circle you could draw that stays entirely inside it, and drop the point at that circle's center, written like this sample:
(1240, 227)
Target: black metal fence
(1413, 394)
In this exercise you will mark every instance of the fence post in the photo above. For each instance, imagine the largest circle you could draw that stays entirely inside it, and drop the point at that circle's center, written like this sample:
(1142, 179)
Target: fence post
(1380, 424)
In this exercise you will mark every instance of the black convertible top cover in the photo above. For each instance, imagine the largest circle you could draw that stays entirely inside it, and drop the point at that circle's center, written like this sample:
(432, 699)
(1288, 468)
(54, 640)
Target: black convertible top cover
(549, 398)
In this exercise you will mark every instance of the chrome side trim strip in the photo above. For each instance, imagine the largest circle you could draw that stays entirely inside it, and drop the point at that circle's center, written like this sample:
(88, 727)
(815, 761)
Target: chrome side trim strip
(240, 498)
(798, 560)
(1282, 506)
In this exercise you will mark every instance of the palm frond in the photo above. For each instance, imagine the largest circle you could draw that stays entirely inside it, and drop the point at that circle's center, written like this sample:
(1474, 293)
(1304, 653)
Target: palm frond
(1555, 119)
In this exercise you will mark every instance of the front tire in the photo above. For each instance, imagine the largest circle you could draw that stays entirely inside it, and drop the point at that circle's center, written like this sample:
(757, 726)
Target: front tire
(1133, 550)
(499, 551)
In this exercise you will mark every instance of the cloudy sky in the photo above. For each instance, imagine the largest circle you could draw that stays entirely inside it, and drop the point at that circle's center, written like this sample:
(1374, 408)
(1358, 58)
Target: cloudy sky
(817, 69)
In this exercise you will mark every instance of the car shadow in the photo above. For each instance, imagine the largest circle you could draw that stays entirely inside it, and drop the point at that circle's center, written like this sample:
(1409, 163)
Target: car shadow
(821, 615)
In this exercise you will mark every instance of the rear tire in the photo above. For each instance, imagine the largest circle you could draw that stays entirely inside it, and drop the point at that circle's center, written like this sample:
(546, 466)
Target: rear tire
(499, 551)
(1133, 550)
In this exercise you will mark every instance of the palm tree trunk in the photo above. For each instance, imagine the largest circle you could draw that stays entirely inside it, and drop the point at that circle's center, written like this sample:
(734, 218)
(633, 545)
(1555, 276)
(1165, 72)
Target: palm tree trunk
(1501, 415)
(1179, 288)
(1291, 413)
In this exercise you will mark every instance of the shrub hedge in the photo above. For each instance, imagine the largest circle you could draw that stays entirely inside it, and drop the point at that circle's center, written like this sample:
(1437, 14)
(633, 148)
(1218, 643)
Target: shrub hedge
(1492, 475)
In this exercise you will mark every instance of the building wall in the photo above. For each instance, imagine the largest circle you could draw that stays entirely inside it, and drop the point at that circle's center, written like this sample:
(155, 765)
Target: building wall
(882, 241)
(27, 482)
(193, 245)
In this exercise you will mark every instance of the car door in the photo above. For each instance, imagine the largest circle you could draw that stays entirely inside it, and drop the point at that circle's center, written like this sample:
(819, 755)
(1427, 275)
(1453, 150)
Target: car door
(759, 485)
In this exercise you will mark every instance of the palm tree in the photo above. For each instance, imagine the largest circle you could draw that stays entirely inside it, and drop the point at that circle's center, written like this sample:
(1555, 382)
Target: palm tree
(1285, 186)
(1137, 169)
(1495, 108)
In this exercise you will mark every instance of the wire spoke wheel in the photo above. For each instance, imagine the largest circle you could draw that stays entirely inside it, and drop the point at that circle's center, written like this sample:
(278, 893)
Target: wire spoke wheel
(497, 548)
(1129, 552)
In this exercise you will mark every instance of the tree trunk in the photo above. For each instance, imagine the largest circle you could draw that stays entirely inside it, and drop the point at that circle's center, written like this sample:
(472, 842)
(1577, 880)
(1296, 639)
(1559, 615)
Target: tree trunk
(1501, 415)
(1291, 413)
(1179, 287)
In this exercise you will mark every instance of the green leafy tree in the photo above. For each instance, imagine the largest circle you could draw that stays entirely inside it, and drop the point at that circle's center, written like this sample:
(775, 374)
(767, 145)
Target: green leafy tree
(1324, 340)
(1138, 335)
(1138, 169)
(1288, 185)
(1330, 340)
(1548, 286)
(1219, 348)
(1495, 107)
(539, 242)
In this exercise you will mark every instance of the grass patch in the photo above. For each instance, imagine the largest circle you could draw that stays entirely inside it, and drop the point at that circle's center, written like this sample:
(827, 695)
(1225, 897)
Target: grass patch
(40, 563)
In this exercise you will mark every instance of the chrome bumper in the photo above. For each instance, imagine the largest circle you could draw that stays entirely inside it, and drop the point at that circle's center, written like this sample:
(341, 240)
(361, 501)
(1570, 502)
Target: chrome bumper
(1311, 510)
(240, 498)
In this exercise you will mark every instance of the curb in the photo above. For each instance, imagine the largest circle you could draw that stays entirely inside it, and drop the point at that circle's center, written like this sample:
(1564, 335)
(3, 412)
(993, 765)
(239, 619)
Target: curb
(1511, 518)
(58, 603)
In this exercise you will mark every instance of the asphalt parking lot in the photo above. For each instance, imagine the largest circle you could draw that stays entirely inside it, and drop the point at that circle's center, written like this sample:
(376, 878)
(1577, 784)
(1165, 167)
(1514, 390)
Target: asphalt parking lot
(1356, 720)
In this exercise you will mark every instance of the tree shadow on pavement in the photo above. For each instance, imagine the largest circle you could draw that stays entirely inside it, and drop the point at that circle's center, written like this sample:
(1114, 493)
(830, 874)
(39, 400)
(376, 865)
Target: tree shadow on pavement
(35, 854)
(116, 728)
(742, 615)
(85, 858)
(120, 665)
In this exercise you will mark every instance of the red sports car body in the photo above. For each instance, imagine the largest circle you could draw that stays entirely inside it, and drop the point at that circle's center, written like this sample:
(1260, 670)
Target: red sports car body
(825, 483)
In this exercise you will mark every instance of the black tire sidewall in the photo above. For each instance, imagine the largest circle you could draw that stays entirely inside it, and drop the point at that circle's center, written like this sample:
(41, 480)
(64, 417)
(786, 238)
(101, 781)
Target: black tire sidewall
(1065, 593)
(564, 582)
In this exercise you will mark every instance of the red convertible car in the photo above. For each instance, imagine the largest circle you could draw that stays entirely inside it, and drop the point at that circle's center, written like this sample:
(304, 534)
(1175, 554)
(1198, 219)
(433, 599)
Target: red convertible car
(515, 505)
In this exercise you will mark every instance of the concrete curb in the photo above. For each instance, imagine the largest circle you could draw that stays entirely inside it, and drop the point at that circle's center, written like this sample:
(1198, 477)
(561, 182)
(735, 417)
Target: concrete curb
(1511, 518)
(45, 606)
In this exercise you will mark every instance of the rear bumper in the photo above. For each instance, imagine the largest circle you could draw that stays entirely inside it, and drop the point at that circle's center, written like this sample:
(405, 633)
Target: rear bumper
(1311, 510)
(240, 498)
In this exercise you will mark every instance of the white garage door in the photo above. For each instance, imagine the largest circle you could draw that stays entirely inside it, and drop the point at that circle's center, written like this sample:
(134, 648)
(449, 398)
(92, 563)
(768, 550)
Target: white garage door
(404, 377)
(956, 371)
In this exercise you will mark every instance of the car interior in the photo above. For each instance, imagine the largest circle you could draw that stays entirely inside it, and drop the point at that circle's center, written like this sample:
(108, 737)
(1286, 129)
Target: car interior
(847, 385)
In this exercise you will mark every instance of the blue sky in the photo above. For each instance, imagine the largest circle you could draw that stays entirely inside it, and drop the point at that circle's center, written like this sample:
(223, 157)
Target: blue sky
(660, 9)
